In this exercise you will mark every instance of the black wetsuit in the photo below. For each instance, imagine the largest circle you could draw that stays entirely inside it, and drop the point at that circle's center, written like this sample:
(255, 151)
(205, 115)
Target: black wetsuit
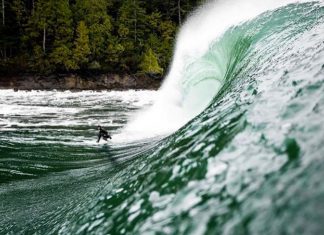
(104, 134)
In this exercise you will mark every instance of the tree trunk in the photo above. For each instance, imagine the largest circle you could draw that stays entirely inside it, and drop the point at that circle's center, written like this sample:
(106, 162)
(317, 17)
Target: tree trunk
(3, 12)
(179, 11)
(3, 23)
(135, 22)
(5, 52)
(44, 39)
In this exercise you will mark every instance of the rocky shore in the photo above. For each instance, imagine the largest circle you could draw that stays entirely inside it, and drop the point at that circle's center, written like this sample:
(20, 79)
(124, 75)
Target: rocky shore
(76, 82)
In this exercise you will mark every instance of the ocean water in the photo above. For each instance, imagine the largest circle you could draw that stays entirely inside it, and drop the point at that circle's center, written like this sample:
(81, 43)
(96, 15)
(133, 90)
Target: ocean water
(231, 144)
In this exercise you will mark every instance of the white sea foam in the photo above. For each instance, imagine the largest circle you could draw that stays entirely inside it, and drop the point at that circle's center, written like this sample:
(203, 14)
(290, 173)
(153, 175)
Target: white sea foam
(62, 111)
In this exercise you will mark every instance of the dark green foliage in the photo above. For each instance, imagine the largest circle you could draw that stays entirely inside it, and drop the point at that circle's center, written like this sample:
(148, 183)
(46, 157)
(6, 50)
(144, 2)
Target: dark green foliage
(81, 51)
(150, 63)
(46, 36)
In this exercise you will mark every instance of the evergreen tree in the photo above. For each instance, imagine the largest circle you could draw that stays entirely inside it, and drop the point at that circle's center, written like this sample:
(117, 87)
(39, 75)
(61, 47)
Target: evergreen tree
(132, 33)
(61, 56)
(18, 7)
(94, 14)
(39, 62)
(150, 64)
(81, 50)
(39, 29)
(167, 30)
(40, 25)
(51, 27)
(3, 12)
(114, 54)
(46, 36)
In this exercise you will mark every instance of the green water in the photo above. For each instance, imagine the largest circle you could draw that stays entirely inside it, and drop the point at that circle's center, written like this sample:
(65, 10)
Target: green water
(250, 163)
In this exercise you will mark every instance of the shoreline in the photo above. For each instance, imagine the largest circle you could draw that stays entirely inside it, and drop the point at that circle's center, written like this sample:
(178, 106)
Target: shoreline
(75, 82)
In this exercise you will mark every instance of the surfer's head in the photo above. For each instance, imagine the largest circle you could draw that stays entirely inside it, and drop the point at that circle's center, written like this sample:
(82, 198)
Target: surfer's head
(98, 127)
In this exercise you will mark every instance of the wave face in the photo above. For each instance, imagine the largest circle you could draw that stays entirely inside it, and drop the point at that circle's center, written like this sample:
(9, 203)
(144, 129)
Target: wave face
(209, 50)
(248, 158)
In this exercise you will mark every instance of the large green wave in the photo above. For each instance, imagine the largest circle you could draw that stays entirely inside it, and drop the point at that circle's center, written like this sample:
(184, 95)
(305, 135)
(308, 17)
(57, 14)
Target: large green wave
(250, 163)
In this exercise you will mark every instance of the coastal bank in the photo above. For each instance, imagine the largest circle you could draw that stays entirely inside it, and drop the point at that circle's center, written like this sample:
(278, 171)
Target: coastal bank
(76, 82)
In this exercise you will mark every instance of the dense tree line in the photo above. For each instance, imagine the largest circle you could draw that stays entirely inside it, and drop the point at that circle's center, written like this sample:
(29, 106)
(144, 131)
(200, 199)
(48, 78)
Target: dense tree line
(46, 36)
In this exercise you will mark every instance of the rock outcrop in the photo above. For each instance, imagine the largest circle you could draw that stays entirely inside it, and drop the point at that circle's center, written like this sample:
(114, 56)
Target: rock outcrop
(76, 82)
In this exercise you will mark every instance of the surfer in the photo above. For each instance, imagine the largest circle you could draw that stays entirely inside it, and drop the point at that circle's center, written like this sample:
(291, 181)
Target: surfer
(103, 133)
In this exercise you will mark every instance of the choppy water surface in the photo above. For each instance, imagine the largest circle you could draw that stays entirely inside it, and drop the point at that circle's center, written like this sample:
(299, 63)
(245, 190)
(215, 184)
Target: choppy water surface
(250, 163)
(53, 131)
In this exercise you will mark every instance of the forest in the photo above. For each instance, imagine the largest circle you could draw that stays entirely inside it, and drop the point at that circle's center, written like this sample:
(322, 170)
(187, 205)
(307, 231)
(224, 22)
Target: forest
(105, 36)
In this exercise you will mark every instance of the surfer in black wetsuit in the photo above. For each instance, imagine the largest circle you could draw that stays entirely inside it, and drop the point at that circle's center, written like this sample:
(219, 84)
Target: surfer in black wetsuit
(103, 133)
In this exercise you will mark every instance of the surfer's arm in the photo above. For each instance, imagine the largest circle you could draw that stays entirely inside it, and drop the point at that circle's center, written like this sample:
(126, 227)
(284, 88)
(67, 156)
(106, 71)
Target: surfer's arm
(106, 134)
(99, 137)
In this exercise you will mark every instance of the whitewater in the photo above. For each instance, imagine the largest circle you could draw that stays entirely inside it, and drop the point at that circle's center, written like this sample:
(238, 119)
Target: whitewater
(231, 144)
(194, 80)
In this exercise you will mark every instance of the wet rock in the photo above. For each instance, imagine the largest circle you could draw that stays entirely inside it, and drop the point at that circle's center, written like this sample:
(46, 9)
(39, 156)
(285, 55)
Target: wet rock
(77, 82)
